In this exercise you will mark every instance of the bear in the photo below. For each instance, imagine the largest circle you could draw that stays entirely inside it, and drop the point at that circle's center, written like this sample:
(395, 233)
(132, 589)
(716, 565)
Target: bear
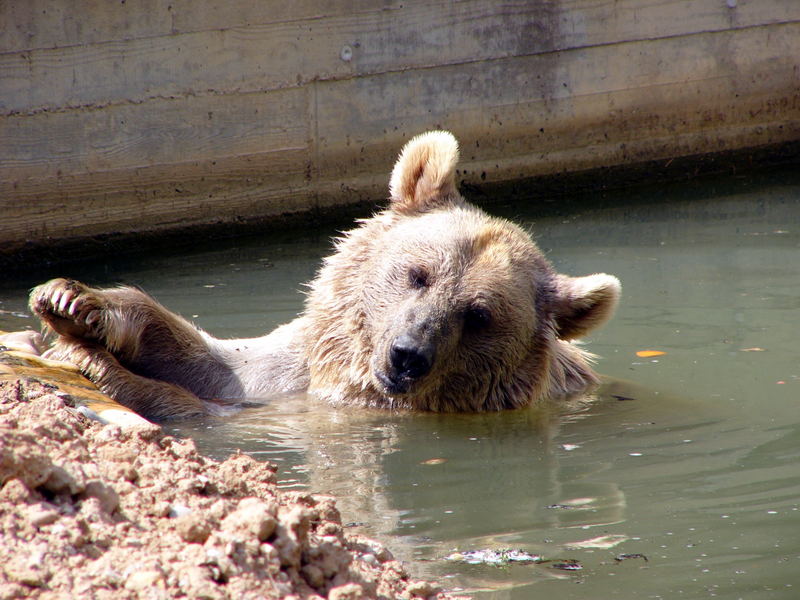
(431, 304)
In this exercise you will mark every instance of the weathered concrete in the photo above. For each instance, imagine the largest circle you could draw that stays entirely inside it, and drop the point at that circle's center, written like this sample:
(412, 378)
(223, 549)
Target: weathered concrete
(126, 117)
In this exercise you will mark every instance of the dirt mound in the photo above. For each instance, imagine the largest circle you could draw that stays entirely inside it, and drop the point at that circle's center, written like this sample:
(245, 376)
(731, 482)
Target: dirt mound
(97, 511)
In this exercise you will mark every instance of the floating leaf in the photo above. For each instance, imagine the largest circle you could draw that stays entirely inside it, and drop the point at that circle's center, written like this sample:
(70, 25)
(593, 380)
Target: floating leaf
(602, 542)
(649, 353)
(567, 564)
(495, 557)
(622, 398)
(573, 503)
(621, 557)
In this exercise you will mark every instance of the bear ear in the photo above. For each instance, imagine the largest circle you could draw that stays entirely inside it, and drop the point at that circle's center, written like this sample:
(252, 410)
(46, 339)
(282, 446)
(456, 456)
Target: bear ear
(584, 303)
(424, 175)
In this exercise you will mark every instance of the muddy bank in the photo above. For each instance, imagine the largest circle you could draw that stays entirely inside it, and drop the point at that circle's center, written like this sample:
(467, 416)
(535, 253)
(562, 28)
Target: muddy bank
(104, 511)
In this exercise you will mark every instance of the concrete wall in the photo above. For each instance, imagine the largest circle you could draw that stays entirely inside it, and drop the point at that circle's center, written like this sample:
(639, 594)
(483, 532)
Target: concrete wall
(153, 114)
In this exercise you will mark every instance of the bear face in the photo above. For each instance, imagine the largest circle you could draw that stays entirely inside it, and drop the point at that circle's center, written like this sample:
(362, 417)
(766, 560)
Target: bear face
(447, 308)
(460, 313)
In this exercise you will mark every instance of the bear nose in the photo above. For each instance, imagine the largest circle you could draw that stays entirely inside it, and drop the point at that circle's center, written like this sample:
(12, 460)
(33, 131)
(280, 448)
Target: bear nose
(410, 359)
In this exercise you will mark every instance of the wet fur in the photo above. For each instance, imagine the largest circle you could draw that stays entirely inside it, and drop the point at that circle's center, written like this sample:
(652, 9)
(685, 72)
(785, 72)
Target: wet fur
(162, 366)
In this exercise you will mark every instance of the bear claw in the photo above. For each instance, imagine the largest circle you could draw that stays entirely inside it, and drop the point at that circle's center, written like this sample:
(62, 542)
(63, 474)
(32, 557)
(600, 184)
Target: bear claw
(68, 307)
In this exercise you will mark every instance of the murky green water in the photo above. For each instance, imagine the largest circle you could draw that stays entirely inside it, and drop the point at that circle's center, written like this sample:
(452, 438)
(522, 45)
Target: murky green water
(695, 463)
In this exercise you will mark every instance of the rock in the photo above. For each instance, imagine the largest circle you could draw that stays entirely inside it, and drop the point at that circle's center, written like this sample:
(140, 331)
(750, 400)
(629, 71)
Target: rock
(192, 528)
(178, 510)
(252, 518)
(292, 534)
(62, 481)
(314, 576)
(139, 581)
(423, 589)
(196, 582)
(22, 458)
(105, 494)
(348, 591)
(27, 570)
(42, 514)
(15, 492)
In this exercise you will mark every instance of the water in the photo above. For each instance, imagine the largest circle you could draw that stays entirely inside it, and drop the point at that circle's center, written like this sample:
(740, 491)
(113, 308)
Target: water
(690, 458)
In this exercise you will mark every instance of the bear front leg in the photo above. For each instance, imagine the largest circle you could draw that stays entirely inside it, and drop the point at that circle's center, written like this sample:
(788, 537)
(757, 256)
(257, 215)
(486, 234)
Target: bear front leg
(143, 336)
(153, 399)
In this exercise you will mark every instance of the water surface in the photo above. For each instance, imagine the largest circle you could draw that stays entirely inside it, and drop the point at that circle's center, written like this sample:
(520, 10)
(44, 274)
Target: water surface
(690, 459)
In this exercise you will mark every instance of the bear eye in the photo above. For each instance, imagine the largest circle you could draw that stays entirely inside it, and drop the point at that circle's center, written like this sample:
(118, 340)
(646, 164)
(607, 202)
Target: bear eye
(477, 317)
(418, 277)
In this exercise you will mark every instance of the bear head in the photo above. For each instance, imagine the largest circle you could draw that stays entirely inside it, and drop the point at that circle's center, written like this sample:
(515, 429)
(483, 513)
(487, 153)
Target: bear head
(434, 305)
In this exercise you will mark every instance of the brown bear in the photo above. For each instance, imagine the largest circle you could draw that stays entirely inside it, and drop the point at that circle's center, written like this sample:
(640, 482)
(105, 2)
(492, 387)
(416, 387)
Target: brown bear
(430, 304)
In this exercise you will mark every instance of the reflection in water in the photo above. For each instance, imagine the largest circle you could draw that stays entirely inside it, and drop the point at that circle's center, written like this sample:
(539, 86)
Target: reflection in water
(694, 466)
(429, 482)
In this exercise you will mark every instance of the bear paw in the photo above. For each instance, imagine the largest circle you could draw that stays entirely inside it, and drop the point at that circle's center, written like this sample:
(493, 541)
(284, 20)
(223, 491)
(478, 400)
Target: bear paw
(69, 308)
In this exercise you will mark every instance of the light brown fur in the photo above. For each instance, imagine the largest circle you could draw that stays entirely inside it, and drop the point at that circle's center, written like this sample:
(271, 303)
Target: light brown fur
(430, 304)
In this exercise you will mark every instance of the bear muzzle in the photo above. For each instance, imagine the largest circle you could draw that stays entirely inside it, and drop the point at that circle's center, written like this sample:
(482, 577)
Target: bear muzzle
(409, 361)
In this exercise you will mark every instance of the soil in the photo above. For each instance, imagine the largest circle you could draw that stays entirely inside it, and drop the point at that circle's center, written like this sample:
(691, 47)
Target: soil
(103, 511)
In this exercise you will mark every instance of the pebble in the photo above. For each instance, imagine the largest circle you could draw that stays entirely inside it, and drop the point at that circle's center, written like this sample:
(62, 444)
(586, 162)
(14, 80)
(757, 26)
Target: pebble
(60, 480)
(422, 588)
(15, 492)
(348, 591)
(40, 515)
(314, 576)
(252, 517)
(178, 510)
(108, 497)
(197, 583)
(192, 528)
(27, 570)
(142, 580)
